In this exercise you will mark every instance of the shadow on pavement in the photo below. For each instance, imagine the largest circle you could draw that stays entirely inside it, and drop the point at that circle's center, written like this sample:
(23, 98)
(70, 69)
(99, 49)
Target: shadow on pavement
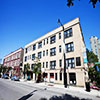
(64, 97)
(27, 96)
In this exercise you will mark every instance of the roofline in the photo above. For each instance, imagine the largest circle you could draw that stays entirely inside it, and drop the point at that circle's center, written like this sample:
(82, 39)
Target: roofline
(93, 36)
(13, 52)
(52, 30)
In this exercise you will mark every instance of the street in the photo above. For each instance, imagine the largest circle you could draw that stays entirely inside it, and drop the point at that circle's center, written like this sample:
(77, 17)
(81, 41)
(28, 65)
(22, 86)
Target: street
(13, 90)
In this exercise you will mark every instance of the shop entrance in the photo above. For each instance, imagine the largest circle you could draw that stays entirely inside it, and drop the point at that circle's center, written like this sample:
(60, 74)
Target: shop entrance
(72, 78)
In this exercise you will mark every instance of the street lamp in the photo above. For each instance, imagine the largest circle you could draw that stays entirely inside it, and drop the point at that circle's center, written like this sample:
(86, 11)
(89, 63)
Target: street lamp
(65, 75)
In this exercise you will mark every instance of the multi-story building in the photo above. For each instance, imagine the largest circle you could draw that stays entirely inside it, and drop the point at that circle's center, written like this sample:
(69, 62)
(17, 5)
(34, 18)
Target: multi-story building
(49, 49)
(14, 60)
(95, 46)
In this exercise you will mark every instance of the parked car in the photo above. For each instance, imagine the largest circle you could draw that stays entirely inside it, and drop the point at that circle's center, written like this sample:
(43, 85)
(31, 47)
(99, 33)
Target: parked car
(15, 78)
(5, 76)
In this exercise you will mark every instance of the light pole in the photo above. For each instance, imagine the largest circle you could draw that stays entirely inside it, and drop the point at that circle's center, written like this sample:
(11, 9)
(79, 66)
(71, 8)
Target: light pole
(65, 75)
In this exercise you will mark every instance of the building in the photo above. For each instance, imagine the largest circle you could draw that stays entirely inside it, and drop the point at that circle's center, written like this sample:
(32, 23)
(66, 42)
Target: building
(95, 46)
(14, 60)
(49, 49)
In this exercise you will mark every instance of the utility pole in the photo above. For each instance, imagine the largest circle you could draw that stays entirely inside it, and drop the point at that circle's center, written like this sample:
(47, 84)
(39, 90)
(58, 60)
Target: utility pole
(64, 51)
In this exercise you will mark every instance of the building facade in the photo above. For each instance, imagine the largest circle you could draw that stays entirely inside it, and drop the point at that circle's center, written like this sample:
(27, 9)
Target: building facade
(14, 60)
(95, 46)
(49, 49)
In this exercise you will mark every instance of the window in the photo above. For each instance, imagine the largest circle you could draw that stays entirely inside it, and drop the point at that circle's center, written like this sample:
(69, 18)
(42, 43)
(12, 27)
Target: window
(32, 66)
(33, 56)
(59, 35)
(40, 44)
(47, 41)
(44, 42)
(43, 64)
(68, 33)
(94, 41)
(96, 51)
(43, 53)
(52, 51)
(46, 64)
(39, 55)
(51, 76)
(60, 76)
(70, 63)
(78, 61)
(34, 47)
(52, 64)
(28, 57)
(25, 58)
(47, 52)
(69, 47)
(53, 39)
(45, 75)
(55, 76)
(29, 48)
(60, 49)
(25, 50)
(60, 63)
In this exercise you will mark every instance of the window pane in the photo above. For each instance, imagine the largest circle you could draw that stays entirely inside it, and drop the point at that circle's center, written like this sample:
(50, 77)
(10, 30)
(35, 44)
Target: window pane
(78, 61)
(68, 33)
(69, 47)
(53, 39)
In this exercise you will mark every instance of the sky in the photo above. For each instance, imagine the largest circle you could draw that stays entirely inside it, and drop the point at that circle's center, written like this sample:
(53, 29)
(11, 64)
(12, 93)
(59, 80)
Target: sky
(22, 21)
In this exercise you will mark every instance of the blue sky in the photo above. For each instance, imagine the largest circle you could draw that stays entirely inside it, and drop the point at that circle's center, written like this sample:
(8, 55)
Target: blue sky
(22, 21)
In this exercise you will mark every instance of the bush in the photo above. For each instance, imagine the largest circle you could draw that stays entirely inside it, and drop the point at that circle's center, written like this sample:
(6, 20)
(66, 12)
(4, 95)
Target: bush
(94, 76)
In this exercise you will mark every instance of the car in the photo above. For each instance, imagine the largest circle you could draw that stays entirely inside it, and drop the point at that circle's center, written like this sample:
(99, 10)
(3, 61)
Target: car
(5, 76)
(15, 78)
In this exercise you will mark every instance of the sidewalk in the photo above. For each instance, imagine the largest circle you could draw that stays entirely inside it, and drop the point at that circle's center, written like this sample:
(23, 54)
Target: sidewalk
(62, 88)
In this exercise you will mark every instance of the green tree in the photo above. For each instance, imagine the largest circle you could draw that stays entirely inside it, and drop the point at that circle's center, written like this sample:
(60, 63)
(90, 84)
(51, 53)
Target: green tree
(37, 67)
(4, 69)
(94, 75)
(91, 72)
(91, 57)
(9, 69)
(26, 69)
(97, 78)
(71, 2)
(0, 68)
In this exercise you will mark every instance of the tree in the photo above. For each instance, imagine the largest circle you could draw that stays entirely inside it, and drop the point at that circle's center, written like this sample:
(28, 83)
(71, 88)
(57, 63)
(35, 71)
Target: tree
(4, 69)
(97, 78)
(91, 57)
(91, 72)
(94, 75)
(37, 67)
(0, 68)
(26, 69)
(9, 69)
(70, 2)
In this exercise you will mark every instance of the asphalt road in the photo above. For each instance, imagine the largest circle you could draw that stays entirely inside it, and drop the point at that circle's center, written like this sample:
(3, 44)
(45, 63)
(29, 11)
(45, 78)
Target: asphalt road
(12, 90)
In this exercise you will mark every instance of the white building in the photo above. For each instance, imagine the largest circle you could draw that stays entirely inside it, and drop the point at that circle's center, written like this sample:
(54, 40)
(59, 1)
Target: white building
(95, 46)
(49, 49)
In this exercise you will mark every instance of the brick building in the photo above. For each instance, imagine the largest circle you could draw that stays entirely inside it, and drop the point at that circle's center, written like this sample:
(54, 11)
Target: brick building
(14, 60)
